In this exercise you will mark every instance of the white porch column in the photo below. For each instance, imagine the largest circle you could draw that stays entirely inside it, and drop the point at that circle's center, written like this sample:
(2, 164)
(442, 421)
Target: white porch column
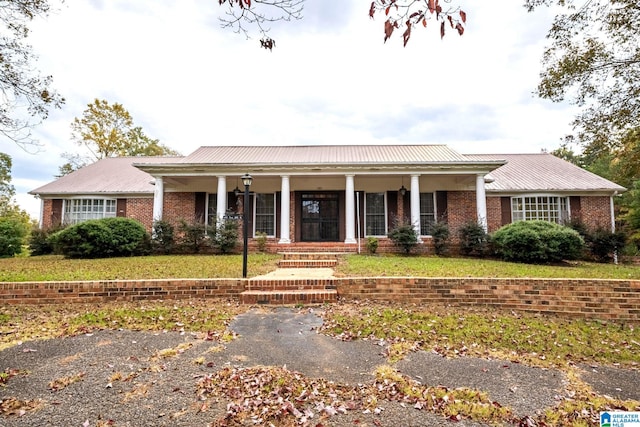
(350, 207)
(285, 216)
(481, 201)
(221, 197)
(158, 198)
(415, 203)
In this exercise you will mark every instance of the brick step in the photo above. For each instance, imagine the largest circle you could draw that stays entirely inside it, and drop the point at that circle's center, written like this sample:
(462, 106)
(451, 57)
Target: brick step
(312, 255)
(299, 284)
(307, 263)
(286, 297)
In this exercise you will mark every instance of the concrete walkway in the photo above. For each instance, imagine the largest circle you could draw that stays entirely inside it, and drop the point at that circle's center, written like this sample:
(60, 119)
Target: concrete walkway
(298, 273)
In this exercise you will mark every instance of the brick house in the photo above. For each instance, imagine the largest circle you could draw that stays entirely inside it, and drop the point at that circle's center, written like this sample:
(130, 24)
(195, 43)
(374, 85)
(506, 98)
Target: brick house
(332, 196)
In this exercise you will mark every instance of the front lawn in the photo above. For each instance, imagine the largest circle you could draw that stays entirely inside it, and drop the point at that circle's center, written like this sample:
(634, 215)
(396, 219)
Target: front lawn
(431, 266)
(56, 268)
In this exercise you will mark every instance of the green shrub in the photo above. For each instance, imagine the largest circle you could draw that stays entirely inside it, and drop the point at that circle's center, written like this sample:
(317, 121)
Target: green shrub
(474, 240)
(13, 232)
(39, 242)
(537, 242)
(102, 238)
(604, 244)
(440, 234)
(225, 237)
(372, 244)
(192, 237)
(163, 239)
(261, 241)
(404, 236)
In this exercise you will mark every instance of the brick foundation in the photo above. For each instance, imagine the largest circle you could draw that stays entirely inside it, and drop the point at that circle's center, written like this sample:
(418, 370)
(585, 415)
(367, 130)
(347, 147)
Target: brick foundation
(572, 298)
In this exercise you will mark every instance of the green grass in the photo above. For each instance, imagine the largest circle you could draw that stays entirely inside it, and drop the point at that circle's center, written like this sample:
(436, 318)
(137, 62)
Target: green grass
(56, 268)
(26, 323)
(538, 340)
(430, 266)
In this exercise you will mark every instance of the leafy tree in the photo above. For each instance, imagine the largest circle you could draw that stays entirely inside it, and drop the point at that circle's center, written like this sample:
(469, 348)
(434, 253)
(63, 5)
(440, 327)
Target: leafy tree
(13, 233)
(7, 191)
(594, 61)
(405, 14)
(107, 130)
(26, 95)
(15, 223)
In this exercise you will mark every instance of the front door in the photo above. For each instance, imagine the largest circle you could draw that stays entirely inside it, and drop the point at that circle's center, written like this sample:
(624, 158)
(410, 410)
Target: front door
(320, 217)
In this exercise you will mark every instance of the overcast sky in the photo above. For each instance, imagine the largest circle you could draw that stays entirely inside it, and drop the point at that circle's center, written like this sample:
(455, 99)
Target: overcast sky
(330, 80)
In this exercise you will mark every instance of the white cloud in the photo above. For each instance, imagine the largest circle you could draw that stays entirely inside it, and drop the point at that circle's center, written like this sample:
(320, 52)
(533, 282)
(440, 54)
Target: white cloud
(330, 79)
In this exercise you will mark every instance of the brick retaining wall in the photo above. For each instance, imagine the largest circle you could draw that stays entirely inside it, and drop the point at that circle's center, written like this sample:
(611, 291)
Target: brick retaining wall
(575, 298)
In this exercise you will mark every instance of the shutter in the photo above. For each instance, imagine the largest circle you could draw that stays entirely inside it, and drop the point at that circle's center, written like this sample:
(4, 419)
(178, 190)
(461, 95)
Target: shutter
(505, 208)
(121, 208)
(442, 206)
(575, 205)
(278, 212)
(201, 204)
(406, 205)
(56, 212)
(392, 208)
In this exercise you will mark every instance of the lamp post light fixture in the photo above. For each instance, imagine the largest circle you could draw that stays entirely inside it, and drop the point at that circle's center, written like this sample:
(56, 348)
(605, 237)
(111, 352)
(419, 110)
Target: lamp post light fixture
(246, 180)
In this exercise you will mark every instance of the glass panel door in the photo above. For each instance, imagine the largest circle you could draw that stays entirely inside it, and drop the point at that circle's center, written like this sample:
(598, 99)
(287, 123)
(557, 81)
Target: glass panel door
(320, 217)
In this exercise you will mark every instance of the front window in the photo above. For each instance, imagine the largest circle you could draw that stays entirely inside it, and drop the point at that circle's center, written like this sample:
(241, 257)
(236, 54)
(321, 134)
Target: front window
(265, 214)
(546, 208)
(427, 213)
(79, 210)
(376, 220)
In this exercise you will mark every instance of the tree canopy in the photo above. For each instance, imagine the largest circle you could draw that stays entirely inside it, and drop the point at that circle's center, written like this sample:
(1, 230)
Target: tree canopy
(243, 15)
(26, 95)
(108, 130)
(593, 60)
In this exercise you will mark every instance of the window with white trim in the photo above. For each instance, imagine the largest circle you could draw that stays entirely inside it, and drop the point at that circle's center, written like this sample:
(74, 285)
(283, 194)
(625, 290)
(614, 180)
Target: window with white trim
(427, 213)
(79, 210)
(546, 208)
(265, 213)
(375, 214)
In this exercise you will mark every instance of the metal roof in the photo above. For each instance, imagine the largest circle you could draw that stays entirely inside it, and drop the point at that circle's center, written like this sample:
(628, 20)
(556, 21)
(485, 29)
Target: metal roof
(542, 172)
(325, 154)
(522, 172)
(109, 175)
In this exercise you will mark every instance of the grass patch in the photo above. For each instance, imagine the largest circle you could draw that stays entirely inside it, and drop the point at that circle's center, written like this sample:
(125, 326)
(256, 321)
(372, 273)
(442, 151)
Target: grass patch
(536, 340)
(26, 323)
(57, 268)
(431, 266)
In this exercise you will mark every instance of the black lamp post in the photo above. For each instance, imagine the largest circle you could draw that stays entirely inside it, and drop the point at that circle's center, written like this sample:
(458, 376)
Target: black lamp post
(246, 180)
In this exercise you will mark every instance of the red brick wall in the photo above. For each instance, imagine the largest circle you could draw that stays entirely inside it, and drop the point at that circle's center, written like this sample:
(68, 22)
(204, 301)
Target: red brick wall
(141, 210)
(461, 207)
(118, 290)
(178, 206)
(574, 298)
(494, 213)
(596, 212)
(47, 212)
(579, 298)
